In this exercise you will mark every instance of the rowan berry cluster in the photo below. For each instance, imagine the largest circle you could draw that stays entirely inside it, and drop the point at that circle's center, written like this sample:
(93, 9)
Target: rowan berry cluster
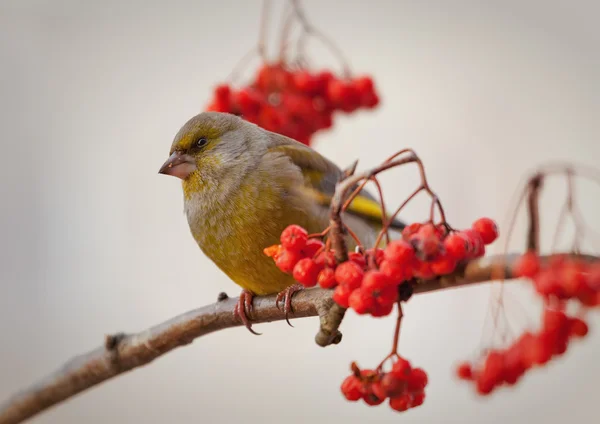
(369, 282)
(403, 385)
(560, 279)
(294, 103)
(563, 277)
(531, 350)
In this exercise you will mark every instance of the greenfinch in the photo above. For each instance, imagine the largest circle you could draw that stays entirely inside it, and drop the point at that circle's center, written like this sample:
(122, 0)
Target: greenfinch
(243, 185)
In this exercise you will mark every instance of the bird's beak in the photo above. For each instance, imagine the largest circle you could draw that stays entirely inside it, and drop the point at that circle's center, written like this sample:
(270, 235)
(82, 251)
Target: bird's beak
(179, 165)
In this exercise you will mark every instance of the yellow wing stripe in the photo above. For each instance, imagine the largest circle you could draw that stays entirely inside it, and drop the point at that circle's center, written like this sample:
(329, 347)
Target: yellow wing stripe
(360, 205)
(367, 207)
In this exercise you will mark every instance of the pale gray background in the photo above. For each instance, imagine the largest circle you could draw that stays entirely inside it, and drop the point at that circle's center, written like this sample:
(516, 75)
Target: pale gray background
(94, 241)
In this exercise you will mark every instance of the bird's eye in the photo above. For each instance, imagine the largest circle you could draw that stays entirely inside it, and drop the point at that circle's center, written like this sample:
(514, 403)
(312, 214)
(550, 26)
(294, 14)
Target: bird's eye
(201, 142)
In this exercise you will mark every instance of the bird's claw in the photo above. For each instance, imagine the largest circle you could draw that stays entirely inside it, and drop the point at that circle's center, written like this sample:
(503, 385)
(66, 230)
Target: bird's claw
(244, 307)
(286, 296)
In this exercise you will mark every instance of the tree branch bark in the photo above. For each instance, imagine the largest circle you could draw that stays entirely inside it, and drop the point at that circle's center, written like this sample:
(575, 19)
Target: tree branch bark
(124, 352)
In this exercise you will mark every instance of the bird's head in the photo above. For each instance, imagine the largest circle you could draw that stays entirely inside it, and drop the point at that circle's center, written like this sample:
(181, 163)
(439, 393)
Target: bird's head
(210, 147)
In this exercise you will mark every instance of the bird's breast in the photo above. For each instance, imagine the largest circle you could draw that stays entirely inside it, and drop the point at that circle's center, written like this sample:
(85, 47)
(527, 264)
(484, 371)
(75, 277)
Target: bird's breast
(233, 230)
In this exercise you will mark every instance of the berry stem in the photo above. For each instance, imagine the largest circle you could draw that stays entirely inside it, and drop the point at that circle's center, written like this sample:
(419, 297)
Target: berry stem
(260, 49)
(397, 331)
(384, 219)
(233, 77)
(310, 30)
(321, 234)
(354, 236)
(288, 21)
(262, 34)
(396, 212)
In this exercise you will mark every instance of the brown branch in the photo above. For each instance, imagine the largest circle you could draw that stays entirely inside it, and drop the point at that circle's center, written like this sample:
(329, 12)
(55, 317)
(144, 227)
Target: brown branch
(122, 353)
(533, 235)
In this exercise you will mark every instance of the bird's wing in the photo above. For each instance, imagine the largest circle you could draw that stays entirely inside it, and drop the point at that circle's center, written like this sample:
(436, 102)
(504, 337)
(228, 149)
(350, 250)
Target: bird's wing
(322, 175)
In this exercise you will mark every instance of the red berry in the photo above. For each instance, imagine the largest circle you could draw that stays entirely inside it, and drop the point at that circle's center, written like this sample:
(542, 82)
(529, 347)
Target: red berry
(514, 364)
(443, 265)
(351, 388)
(382, 309)
(395, 271)
(539, 352)
(392, 385)
(484, 386)
(527, 265)
(312, 246)
(349, 273)
(476, 243)
(423, 270)
(487, 228)
(364, 85)
(370, 101)
(578, 327)
(378, 390)
(220, 105)
(287, 260)
(464, 371)
(399, 251)
(361, 301)
(593, 277)
(294, 237)
(417, 380)
(457, 245)
(401, 403)
(418, 399)
(222, 91)
(411, 230)
(401, 369)
(249, 101)
(358, 258)
(426, 247)
(337, 92)
(326, 278)
(342, 294)
(554, 321)
(442, 231)
(427, 230)
(572, 278)
(546, 284)
(374, 255)
(326, 258)
(369, 397)
(493, 369)
(387, 296)
(306, 272)
(375, 281)
(304, 81)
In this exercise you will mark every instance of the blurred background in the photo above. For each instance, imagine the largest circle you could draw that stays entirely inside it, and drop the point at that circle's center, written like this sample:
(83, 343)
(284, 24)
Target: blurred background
(94, 241)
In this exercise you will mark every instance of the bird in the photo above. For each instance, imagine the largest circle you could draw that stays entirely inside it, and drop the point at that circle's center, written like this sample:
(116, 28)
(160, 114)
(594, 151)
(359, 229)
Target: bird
(243, 185)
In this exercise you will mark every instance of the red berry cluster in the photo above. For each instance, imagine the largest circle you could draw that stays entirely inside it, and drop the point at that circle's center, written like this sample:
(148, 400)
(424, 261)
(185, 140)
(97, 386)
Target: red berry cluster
(403, 385)
(368, 282)
(530, 350)
(294, 103)
(562, 278)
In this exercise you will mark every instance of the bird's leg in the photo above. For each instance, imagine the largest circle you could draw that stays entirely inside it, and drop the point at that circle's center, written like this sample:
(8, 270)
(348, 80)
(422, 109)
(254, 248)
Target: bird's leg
(244, 307)
(286, 297)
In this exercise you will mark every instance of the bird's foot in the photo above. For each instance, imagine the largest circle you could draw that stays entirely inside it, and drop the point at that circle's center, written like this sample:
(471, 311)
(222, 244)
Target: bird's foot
(243, 308)
(286, 297)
